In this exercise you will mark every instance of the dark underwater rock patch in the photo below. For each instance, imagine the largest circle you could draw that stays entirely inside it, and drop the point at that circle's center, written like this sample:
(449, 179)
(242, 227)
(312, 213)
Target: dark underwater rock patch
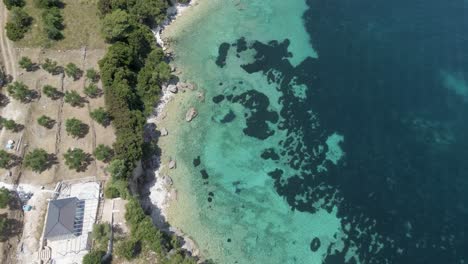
(258, 103)
(270, 154)
(241, 45)
(196, 161)
(222, 54)
(218, 98)
(229, 117)
(204, 174)
(315, 244)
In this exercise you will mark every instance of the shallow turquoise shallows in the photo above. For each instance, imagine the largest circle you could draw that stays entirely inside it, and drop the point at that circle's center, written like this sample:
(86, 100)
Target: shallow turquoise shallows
(238, 216)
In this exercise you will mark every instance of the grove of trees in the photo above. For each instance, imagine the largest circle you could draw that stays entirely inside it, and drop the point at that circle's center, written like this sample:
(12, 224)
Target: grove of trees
(18, 24)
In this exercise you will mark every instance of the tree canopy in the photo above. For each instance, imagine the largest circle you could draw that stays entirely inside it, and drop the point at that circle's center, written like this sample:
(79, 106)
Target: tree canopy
(73, 98)
(72, 71)
(26, 63)
(4, 197)
(37, 160)
(116, 25)
(18, 24)
(76, 159)
(75, 128)
(103, 153)
(13, 3)
(19, 91)
(5, 159)
(51, 92)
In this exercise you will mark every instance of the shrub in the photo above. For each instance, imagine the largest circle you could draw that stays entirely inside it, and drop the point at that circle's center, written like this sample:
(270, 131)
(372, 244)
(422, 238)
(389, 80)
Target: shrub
(13, 3)
(45, 121)
(101, 116)
(128, 248)
(53, 23)
(9, 124)
(71, 70)
(47, 3)
(51, 92)
(93, 257)
(75, 128)
(92, 90)
(117, 188)
(116, 25)
(4, 197)
(76, 159)
(103, 153)
(18, 24)
(73, 98)
(118, 169)
(50, 66)
(26, 63)
(37, 160)
(19, 91)
(5, 159)
(92, 75)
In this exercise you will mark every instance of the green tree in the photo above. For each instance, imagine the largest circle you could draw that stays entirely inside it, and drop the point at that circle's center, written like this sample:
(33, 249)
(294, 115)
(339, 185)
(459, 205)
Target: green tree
(47, 3)
(118, 169)
(76, 159)
(92, 75)
(13, 3)
(73, 98)
(4, 197)
(3, 225)
(50, 66)
(101, 116)
(150, 13)
(26, 63)
(19, 91)
(71, 70)
(127, 248)
(103, 153)
(37, 160)
(18, 24)
(116, 25)
(93, 257)
(5, 159)
(152, 75)
(53, 23)
(9, 124)
(92, 90)
(51, 92)
(45, 121)
(75, 128)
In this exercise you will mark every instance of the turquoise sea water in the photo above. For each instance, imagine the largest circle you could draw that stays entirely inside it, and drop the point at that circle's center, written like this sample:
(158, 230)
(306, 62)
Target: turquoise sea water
(328, 131)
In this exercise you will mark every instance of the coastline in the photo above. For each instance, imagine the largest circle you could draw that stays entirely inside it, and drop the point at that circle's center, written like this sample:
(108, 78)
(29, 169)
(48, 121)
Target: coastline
(161, 191)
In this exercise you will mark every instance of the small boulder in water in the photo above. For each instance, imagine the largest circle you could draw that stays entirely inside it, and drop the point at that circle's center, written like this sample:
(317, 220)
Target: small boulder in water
(172, 164)
(168, 180)
(191, 114)
(164, 132)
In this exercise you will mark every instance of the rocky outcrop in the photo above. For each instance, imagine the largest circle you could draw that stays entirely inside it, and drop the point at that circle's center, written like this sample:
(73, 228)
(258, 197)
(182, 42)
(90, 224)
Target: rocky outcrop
(191, 114)
(183, 86)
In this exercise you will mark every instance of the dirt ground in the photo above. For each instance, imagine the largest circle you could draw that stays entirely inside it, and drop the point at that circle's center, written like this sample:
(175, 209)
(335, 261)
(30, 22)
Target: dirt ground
(55, 140)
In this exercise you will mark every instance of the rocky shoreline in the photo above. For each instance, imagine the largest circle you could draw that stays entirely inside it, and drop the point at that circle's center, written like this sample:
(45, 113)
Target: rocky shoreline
(158, 192)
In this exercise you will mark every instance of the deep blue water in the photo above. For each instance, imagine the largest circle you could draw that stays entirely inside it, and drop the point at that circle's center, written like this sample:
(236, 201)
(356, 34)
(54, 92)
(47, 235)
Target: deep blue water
(390, 78)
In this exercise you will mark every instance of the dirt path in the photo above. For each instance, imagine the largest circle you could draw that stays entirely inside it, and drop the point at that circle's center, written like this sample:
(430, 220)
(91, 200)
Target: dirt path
(8, 57)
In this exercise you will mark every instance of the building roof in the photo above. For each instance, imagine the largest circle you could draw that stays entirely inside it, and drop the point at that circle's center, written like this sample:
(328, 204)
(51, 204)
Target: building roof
(61, 217)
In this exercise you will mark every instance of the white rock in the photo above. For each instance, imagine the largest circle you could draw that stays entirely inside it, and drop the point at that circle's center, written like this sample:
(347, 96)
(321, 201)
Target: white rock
(172, 88)
(191, 114)
(172, 164)
(164, 132)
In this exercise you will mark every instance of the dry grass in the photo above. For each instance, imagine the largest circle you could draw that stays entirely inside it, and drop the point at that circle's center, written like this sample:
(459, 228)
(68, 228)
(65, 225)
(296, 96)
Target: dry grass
(82, 27)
